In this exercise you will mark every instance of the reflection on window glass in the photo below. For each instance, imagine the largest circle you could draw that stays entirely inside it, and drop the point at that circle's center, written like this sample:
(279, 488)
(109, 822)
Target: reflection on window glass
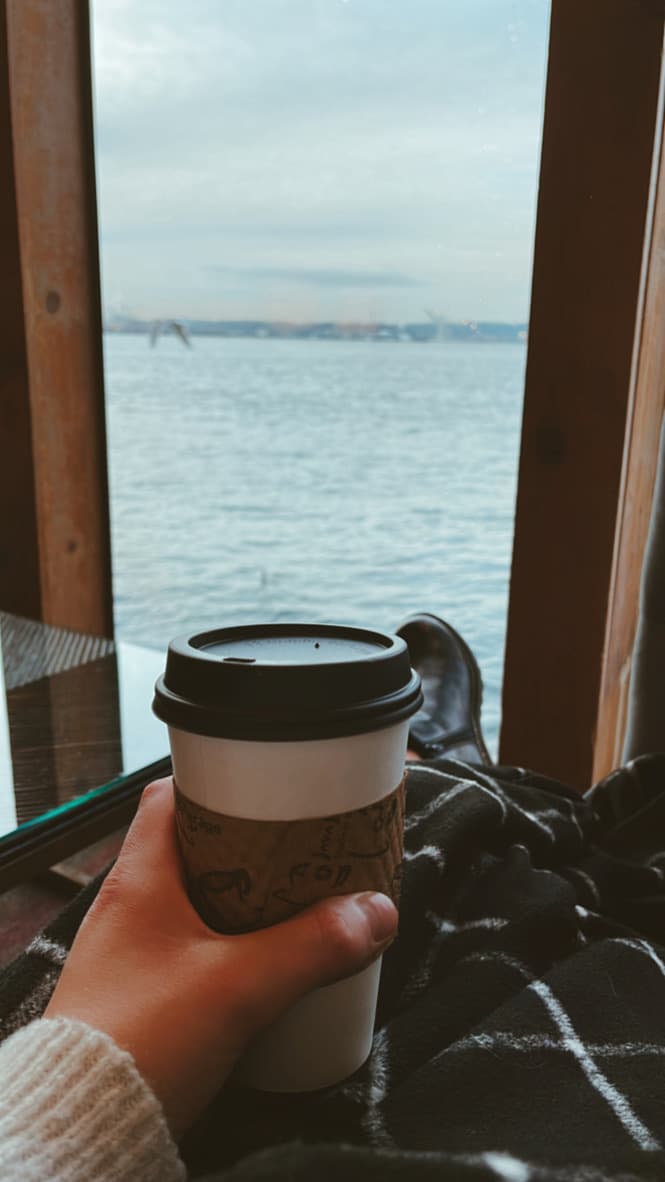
(316, 223)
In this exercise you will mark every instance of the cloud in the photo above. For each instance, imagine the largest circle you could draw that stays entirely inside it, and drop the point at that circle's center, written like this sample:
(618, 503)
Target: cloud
(324, 276)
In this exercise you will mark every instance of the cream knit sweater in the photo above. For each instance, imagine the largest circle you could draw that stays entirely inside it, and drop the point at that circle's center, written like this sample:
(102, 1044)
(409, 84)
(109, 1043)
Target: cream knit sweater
(73, 1108)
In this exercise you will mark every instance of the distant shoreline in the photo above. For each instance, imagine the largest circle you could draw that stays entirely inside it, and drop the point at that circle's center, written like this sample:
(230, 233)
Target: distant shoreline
(440, 331)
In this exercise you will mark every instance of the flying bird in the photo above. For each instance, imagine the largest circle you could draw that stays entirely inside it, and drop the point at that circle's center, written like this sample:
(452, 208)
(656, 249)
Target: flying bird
(161, 326)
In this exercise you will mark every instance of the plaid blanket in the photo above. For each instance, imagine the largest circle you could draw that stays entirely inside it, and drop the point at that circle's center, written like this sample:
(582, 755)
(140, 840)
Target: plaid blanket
(521, 1024)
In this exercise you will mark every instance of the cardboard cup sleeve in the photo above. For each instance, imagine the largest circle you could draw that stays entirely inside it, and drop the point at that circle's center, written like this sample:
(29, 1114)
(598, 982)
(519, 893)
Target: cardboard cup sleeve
(247, 874)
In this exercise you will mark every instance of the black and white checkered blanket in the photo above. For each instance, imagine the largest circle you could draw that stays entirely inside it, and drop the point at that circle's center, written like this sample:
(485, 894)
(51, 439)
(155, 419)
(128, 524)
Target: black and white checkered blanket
(521, 1025)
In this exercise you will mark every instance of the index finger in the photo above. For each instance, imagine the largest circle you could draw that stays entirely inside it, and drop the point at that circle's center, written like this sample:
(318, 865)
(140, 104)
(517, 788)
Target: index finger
(150, 851)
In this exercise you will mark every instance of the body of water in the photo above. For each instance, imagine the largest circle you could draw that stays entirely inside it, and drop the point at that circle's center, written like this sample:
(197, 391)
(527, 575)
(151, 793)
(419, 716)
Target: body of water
(316, 480)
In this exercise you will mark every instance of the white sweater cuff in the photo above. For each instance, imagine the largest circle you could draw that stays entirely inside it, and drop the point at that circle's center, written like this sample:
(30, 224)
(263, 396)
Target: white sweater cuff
(73, 1106)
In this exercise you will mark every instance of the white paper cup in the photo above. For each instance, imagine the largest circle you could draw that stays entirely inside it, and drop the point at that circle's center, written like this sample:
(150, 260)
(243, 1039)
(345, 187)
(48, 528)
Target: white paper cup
(238, 774)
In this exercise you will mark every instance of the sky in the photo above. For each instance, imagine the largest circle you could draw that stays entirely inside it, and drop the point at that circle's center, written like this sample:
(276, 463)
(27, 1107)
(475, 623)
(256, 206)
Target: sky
(303, 160)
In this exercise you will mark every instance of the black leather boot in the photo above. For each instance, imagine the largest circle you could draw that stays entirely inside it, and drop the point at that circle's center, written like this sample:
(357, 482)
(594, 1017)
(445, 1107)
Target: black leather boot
(449, 721)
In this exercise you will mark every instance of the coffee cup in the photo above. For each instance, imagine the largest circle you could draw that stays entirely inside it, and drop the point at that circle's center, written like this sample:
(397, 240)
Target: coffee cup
(288, 744)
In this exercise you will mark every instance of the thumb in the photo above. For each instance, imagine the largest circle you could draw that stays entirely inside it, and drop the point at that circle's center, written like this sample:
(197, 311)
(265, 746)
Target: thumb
(333, 939)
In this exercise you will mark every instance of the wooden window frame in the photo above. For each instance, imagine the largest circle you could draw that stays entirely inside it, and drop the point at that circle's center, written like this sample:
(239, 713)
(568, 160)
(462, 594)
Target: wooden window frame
(55, 553)
(592, 399)
(574, 593)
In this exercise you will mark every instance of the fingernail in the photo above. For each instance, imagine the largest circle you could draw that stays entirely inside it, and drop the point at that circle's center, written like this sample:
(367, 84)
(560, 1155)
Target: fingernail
(381, 913)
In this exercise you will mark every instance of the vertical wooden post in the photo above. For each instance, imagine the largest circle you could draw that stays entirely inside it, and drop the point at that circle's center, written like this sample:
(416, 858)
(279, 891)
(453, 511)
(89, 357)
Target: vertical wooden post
(56, 555)
(20, 589)
(601, 118)
(647, 406)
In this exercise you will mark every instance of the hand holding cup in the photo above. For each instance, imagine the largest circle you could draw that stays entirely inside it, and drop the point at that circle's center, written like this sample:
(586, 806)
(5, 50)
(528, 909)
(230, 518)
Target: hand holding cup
(183, 1000)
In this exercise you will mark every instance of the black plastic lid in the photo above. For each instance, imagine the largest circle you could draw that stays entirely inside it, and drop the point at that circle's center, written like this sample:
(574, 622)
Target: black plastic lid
(287, 681)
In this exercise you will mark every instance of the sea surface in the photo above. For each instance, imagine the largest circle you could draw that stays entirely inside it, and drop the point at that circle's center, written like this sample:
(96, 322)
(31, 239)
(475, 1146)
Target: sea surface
(333, 481)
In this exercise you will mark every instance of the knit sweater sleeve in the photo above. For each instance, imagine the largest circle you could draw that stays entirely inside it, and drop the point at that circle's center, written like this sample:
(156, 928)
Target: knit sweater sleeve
(73, 1106)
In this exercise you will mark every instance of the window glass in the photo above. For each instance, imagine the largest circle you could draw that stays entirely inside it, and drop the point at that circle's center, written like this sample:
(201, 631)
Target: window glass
(316, 227)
